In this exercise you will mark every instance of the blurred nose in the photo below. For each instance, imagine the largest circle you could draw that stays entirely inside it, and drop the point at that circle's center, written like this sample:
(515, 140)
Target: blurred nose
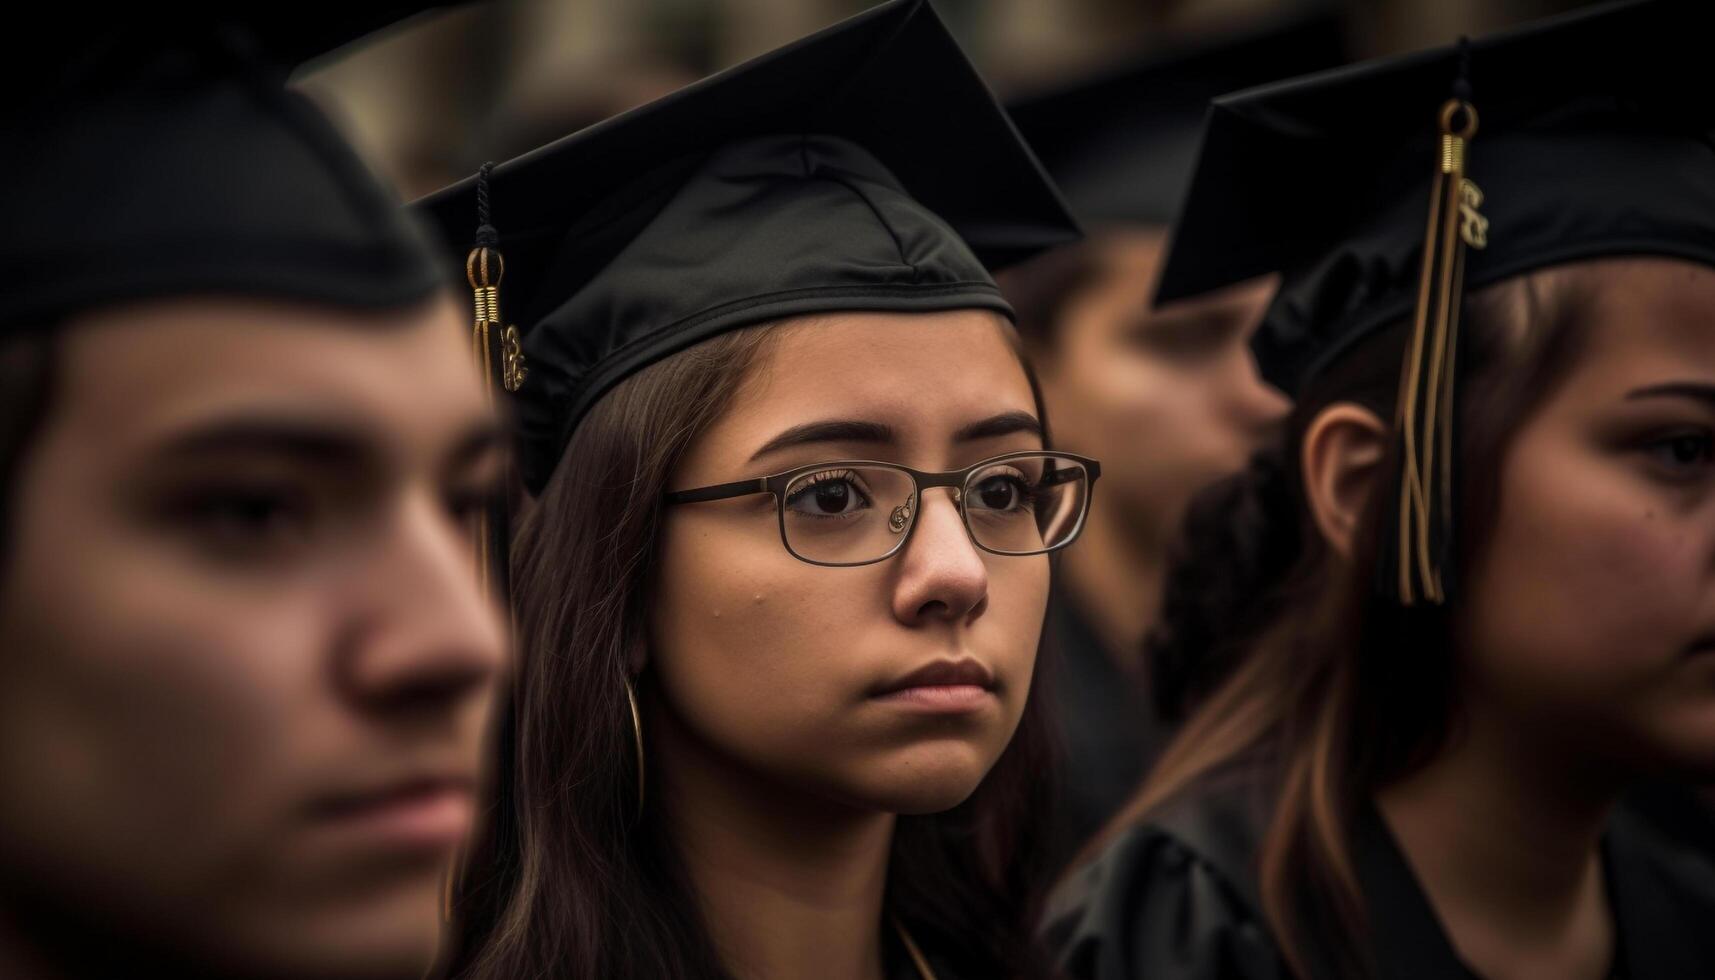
(941, 576)
(1257, 406)
(431, 639)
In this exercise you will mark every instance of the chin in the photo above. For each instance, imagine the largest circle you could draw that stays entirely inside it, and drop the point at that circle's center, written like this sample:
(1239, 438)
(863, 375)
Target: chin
(393, 937)
(926, 778)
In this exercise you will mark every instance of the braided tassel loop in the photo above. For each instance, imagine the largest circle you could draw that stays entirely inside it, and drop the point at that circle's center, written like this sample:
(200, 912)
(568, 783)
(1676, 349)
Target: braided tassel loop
(498, 352)
(1422, 546)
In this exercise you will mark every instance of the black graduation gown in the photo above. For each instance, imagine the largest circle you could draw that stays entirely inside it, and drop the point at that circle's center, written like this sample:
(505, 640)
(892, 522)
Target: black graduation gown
(1175, 898)
(1109, 729)
(1680, 812)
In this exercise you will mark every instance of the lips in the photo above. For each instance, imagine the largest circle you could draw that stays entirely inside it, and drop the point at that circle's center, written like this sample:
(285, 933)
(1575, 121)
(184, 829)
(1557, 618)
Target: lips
(940, 674)
(943, 688)
(961, 673)
(420, 813)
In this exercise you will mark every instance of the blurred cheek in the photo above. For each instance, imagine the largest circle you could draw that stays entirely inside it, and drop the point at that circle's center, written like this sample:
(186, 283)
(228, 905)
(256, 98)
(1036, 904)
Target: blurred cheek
(144, 708)
(1586, 600)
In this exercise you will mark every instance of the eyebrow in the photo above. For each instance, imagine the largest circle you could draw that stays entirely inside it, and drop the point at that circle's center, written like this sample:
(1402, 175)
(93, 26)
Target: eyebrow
(1004, 424)
(320, 442)
(1694, 390)
(859, 431)
(306, 439)
(831, 430)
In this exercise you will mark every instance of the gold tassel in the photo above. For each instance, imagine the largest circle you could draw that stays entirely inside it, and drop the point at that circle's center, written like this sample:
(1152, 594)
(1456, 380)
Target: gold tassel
(491, 345)
(484, 268)
(1425, 416)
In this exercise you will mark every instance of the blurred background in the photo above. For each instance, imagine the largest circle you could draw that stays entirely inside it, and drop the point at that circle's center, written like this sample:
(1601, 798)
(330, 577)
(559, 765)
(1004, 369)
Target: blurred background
(432, 99)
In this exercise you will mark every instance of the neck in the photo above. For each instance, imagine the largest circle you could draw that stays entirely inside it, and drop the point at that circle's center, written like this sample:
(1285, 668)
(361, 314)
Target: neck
(1114, 574)
(788, 886)
(1504, 836)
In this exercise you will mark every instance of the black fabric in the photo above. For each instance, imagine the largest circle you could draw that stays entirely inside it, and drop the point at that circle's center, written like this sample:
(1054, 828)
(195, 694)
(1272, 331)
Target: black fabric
(1594, 140)
(167, 162)
(1110, 733)
(866, 167)
(1176, 896)
(1680, 812)
(817, 224)
(1173, 897)
(1122, 143)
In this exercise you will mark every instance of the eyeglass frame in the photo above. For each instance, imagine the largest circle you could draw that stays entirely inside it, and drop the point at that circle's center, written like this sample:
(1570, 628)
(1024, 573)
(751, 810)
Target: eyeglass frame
(957, 480)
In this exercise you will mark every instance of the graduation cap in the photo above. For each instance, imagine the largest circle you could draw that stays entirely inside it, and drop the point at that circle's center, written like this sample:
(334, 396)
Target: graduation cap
(1384, 191)
(866, 167)
(1122, 144)
(162, 155)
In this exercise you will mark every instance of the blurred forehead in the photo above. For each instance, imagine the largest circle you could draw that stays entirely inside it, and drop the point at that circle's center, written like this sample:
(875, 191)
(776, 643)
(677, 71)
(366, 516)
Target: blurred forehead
(138, 372)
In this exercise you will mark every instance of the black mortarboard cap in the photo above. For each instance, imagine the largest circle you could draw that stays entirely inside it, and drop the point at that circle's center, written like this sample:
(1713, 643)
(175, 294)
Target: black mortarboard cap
(1122, 144)
(866, 167)
(1365, 188)
(1593, 139)
(161, 155)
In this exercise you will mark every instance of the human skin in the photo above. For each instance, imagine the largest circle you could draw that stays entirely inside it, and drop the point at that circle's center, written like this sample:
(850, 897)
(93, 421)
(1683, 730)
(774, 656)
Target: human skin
(1585, 641)
(1169, 399)
(781, 765)
(247, 663)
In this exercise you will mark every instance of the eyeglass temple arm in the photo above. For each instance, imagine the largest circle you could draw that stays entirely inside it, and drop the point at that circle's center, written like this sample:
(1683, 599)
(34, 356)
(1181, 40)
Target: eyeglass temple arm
(1089, 470)
(722, 491)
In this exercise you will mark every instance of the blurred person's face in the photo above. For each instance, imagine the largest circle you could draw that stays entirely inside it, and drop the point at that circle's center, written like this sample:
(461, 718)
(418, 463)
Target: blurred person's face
(247, 664)
(1169, 400)
(1592, 603)
(806, 678)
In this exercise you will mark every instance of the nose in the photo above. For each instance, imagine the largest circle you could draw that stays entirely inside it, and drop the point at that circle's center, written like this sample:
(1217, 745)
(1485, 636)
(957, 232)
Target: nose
(941, 575)
(1257, 405)
(427, 638)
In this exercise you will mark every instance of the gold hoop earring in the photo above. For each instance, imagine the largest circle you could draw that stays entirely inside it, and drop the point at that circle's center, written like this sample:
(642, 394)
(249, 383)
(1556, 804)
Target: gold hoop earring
(637, 739)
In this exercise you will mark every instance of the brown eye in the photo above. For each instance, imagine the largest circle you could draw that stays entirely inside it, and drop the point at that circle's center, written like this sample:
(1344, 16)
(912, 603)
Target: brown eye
(465, 504)
(998, 494)
(1001, 492)
(239, 522)
(1684, 453)
(828, 495)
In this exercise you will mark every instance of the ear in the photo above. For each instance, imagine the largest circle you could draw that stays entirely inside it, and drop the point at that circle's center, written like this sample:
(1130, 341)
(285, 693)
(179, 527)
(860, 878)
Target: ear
(1342, 456)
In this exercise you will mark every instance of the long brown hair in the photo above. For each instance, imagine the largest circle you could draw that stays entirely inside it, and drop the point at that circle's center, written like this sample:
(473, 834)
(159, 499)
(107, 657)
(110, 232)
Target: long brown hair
(567, 879)
(1295, 664)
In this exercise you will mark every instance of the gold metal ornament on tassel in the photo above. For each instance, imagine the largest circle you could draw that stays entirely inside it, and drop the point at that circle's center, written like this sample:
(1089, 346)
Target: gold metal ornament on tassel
(1425, 415)
(498, 352)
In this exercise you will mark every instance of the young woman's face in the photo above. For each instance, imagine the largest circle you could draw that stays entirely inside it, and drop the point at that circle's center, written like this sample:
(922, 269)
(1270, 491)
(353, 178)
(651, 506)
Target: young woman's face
(1168, 399)
(246, 661)
(1592, 611)
(784, 668)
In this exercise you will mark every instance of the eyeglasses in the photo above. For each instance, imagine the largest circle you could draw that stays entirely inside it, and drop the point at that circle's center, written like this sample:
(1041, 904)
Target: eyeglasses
(858, 512)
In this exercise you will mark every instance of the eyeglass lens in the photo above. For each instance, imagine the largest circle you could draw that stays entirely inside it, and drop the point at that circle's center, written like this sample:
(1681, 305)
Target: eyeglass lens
(856, 514)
